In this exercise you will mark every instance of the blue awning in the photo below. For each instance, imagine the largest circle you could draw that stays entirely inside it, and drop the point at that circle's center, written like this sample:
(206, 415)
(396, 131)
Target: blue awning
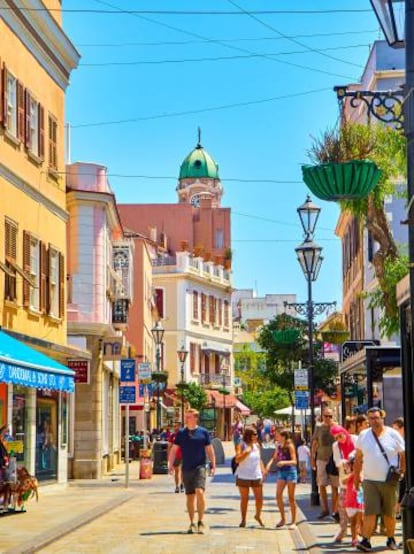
(22, 365)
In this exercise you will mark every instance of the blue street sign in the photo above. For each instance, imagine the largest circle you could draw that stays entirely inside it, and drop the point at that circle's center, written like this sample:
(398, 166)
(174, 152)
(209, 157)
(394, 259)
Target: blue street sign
(127, 395)
(127, 371)
(301, 400)
(142, 388)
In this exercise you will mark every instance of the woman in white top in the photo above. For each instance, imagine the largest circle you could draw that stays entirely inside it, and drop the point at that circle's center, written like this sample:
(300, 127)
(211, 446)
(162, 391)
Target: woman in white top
(250, 474)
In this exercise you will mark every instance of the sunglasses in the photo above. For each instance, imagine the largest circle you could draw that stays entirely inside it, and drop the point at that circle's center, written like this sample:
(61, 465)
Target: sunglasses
(330, 416)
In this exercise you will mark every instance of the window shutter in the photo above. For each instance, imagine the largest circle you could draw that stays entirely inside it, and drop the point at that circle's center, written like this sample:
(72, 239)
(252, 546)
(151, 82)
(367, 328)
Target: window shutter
(3, 96)
(1, 93)
(43, 284)
(159, 301)
(20, 112)
(27, 133)
(26, 268)
(11, 241)
(61, 285)
(41, 116)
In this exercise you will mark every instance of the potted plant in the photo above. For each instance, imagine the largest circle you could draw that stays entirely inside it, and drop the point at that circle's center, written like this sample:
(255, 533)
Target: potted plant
(198, 250)
(343, 166)
(335, 332)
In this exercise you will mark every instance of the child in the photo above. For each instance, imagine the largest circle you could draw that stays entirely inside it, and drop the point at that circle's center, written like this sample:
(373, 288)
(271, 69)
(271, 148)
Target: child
(303, 458)
(354, 500)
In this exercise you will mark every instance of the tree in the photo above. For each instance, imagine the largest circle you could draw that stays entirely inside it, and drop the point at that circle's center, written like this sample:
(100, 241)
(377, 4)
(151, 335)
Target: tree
(195, 395)
(285, 350)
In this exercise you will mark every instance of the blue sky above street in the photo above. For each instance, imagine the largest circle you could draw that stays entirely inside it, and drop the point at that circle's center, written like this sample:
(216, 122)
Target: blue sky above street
(258, 84)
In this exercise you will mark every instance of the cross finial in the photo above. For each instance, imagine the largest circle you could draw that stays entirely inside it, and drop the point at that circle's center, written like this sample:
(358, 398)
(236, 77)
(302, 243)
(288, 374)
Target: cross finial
(199, 137)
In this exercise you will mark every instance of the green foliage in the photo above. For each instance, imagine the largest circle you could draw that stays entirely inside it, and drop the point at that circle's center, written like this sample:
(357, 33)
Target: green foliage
(265, 402)
(395, 270)
(195, 395)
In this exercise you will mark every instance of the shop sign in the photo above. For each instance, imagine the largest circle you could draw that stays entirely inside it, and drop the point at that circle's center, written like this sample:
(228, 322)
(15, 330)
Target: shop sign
(351, 347)
(15, 447)
(144, 371)
(128, 370)
(127, 395)
(81, 369)
(301, 400)
(300, 378)
(34, 378)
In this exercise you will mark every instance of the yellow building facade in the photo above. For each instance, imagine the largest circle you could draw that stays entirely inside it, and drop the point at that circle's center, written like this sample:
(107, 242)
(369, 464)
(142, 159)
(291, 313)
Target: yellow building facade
(36, 59)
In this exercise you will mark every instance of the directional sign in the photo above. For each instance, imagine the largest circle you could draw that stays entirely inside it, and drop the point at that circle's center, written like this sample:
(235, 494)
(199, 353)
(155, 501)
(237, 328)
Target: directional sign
(301, 400)
(127, 395)
(301, 380)
(127, 370)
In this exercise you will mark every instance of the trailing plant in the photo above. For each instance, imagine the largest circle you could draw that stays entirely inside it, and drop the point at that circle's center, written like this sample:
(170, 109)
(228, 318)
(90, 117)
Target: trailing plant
(386, 147)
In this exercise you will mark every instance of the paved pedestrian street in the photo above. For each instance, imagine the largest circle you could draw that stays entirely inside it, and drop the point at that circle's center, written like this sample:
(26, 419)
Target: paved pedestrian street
(97, 517)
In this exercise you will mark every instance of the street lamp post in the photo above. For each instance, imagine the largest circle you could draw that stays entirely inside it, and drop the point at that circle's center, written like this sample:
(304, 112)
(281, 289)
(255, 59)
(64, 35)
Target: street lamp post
(224, 392)
(390, 14)
(182, 356)
(310, 259)
(158, 334)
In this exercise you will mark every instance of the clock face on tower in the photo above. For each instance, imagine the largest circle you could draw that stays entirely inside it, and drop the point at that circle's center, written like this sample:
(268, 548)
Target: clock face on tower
(195, 200)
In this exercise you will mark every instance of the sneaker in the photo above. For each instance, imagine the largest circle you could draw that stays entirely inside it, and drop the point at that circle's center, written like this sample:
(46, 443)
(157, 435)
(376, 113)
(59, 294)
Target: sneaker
(335, 516)
(177, 489)
(201, 528)
(391, 544)
(364, 545)
(323, 515)
(192, 529)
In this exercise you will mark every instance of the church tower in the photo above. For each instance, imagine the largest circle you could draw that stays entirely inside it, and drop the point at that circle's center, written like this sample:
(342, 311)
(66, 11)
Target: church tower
(199, 178)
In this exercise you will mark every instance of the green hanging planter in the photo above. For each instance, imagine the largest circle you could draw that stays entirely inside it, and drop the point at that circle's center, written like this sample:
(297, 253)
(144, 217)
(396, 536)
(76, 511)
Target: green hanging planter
(335, 337)
(342, 181)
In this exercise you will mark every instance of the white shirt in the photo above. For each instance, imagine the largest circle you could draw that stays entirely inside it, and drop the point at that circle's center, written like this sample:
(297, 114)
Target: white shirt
(250, 467)
(303, 453)
(374, 465)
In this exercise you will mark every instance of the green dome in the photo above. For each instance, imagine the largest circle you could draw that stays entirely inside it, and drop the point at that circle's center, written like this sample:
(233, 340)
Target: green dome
(199, 164)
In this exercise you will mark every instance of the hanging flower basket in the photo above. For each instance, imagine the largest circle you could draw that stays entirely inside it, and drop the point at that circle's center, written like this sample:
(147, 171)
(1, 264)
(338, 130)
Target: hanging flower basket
(335, 337)
(159, 376)
(341, 181)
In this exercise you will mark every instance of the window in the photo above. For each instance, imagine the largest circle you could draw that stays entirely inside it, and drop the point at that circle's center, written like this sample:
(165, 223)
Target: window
(53, 162)
(203, 308)
(10, 252)
(211, 309)
(10, 103)
(53, 282)
(159, 302)
(220, 312)
(195, 305)
(219, 238)
(34, 136)
(226, 313)
(34, 272)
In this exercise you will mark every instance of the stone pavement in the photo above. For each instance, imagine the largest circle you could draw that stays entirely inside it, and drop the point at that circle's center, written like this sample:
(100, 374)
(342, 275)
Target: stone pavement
(89, 516)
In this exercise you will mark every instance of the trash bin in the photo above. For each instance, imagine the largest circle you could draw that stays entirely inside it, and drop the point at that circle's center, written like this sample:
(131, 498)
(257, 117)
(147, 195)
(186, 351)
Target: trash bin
(160, 457)
(145, 464)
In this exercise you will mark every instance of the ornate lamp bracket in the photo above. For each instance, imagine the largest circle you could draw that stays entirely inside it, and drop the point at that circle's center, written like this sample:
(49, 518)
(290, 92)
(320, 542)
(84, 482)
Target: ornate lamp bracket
(387, 106)
(316, 308)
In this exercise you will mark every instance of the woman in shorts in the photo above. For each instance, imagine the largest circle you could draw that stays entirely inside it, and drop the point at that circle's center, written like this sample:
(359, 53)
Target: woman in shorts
(286, 462)
(250, 474)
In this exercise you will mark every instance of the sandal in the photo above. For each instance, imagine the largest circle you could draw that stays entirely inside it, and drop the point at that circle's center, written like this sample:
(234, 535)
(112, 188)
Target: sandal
(280, 524)
(242, 524)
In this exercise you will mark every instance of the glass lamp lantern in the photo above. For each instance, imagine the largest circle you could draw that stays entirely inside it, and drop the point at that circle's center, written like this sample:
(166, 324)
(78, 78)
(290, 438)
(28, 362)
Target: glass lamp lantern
(391, 17)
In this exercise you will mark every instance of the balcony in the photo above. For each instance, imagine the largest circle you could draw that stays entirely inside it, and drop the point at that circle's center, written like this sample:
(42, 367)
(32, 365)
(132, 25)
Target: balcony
(214, 380)
(184, 262)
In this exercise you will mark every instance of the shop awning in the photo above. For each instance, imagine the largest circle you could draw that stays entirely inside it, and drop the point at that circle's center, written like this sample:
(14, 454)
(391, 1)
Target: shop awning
(243, 409)
(220, 400)
(22, 365)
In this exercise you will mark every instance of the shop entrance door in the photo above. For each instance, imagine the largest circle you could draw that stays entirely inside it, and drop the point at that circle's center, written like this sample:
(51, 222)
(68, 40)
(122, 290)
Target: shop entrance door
(46, 438)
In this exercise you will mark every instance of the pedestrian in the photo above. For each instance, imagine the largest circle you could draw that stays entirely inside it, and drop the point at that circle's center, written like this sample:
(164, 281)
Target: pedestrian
(178, 460)
(237, 431)
(321, 452)
(350, 425)
(303, 458)
(361, 423)
(353, 500)
(250, 474)
(377, 449)
(287, 474)
(342, 448)
(398, 425)
(195, 444)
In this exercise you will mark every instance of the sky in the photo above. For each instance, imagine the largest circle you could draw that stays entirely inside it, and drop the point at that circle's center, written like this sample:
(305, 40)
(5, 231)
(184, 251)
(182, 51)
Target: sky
(259, 85)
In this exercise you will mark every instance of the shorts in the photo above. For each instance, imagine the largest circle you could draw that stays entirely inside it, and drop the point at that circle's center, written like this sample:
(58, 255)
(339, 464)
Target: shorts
(322, 478)
(288, 474)
(351, 512)
(248, 483)
(380, 498)
(194, 479)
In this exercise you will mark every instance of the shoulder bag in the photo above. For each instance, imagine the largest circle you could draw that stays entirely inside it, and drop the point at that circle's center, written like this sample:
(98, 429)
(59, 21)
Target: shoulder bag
(394, 473)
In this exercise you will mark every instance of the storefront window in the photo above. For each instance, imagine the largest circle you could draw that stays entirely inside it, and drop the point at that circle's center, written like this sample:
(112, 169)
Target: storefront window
(19, 445)
(46, 434)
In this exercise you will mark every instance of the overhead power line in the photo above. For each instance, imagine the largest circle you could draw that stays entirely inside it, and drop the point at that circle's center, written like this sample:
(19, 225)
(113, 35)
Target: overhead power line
(208, 41)
(216, 58)
(197, 110)
(121, 11)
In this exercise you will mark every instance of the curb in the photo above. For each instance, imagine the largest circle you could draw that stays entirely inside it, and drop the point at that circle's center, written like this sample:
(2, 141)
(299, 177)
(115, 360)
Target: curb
(41, 541)
(305, 530)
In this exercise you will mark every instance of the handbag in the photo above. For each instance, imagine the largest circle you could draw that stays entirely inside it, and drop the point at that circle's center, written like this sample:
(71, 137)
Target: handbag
(393, 473)
(234, 465)
(331, 468)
